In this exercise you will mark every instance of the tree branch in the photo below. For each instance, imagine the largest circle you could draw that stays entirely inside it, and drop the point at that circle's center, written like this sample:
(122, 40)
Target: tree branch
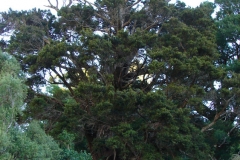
(228, 135)
(91, 4)
(52, 6)
(64, 81)
(57, 5)
(69, 4)
(133, 4)
(217, 116)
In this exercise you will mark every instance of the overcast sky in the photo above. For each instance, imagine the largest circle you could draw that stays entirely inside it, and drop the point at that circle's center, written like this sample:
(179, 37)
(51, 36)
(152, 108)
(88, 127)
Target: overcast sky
(29, 4)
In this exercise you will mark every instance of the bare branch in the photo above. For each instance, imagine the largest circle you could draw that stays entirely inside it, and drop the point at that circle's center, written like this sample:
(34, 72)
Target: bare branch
(134, 4)
(57, 4)
(217, 116)
(228, 135)
(69, 4)
(52, 6)
(102, 77)
(63, 80)
(91, 4)
(126, 23)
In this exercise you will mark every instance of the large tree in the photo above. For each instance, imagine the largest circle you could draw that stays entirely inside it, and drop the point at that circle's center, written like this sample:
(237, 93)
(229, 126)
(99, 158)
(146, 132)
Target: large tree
(131, 77)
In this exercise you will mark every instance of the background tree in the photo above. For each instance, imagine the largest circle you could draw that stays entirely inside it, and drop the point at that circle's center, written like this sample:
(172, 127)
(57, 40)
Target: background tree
(228, 20)
(224, 101)
(19, 142)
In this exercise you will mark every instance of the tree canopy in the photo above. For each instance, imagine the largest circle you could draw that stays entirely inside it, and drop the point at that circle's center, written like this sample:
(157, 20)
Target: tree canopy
(132, 79)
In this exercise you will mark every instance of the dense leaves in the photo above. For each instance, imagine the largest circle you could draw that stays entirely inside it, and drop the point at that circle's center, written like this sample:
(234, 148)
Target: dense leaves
(18, 141)
(132, 79)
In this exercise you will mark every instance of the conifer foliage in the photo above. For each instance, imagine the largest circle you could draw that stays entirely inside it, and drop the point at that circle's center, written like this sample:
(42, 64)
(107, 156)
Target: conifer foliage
(129, 79)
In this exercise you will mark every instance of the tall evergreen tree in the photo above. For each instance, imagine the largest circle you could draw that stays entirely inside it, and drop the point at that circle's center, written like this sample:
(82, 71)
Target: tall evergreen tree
(131, 75)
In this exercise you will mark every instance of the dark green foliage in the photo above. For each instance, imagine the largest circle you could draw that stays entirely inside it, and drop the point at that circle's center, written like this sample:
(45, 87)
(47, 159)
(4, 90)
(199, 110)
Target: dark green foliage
(66, 142)
(130, 79)
(225, 132)
(224, 138)
(228, 22)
